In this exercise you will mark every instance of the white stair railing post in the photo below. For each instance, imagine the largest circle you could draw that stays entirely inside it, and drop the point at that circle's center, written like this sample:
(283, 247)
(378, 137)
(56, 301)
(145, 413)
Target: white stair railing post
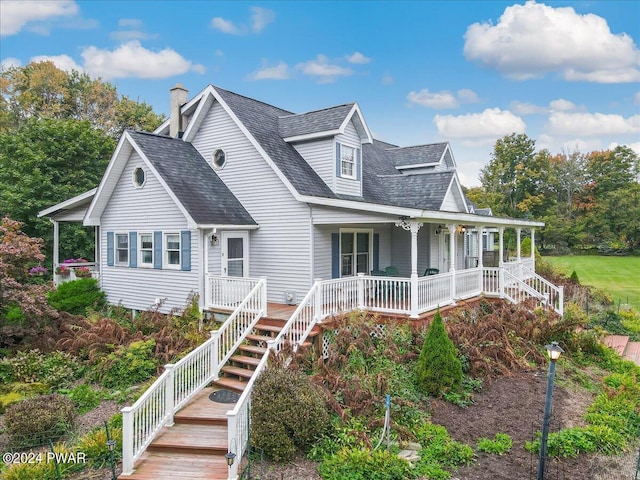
(561, 300)
(360, 287)
(232, 427)
(317, 304)
(214, 357)
(127, 441)
(169, 393)
(263, 297)
(501, 281)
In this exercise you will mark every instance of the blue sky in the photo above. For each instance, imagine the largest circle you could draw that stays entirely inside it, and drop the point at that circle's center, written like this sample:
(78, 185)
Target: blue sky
(565, 73)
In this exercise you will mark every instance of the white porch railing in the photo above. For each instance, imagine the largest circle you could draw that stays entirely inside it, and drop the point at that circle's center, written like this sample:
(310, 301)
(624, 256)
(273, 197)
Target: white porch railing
(554, 295)
(516, 291)
(226, 293)
(181, 381)
(434, 291)
(70, 271)
(468, 283)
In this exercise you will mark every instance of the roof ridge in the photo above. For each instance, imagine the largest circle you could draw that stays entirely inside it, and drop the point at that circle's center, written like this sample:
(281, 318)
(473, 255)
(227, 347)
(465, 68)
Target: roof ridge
(151, 134)
(253, 99)
(317, 110)
(419, 145)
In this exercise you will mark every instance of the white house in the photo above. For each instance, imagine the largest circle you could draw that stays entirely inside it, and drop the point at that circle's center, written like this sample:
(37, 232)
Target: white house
(230, 186)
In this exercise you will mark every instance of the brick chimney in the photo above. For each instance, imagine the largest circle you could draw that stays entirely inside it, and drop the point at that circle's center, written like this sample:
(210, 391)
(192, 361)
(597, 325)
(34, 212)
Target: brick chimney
(178, 97)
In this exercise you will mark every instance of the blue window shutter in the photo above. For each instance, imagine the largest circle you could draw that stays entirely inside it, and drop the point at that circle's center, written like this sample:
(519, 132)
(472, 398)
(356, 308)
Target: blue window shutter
(335, 255)
(133, 249)
(110, 250)
(376, 251)
(338, 165)
(185, 250)
(157, 250)
(358, 165)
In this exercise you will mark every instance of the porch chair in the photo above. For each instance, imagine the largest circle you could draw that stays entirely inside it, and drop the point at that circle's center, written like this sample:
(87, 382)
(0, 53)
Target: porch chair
(378, 273)
(431, 271)
(392, 271)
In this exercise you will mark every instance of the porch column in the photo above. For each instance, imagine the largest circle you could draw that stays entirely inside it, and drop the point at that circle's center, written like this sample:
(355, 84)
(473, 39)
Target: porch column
(480, 234)
(533, 249)
(519, 254)
(413, 226)
(501, 262)
(452, 259)
(56, 245)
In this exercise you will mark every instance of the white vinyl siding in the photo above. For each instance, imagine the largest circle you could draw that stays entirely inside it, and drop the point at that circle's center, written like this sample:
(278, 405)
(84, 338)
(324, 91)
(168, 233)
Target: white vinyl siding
(319, 155)
(280, 247)
(453, 201)
(349, 186)
(137, 288)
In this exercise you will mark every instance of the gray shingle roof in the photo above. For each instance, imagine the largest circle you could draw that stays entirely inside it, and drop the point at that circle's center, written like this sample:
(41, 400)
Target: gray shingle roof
(202, 193)
(324, 120)
(418, 154)
(417, 191)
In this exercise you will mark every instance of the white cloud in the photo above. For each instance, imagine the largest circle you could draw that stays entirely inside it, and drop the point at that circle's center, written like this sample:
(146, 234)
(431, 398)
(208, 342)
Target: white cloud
(324, 71)
(63, 62)
(479, 128)
(275, 72)
(132, 29)
(636, 98)
(10, 62)
(562, 105)
(592, 124)
(130, 23)
(443, 99)
(358, 58)
(260, 18)
(387, 79)
(14, 15)
(523, 108)
(133, 60)
(533, 39)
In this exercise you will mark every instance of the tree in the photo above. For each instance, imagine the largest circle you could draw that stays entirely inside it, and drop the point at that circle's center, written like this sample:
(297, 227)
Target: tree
(515, 179)
(45, 162)
(610, 170)
(40, 90)
(439, 368)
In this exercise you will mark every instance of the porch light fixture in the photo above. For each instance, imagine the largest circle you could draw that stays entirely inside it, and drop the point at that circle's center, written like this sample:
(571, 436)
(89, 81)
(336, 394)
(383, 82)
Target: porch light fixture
(438, 229)
(214, 240)
(554, 351)
(460, 229)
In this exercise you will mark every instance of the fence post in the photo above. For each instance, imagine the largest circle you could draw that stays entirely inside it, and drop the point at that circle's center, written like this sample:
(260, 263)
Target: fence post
(214, 357)
(318, 299)
(169, 393)
(561, 301)
(360, 286)
(263, 297)
(127, 441)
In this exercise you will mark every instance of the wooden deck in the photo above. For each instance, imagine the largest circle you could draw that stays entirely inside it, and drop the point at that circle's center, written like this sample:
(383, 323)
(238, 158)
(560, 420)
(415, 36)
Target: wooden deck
(193, 448)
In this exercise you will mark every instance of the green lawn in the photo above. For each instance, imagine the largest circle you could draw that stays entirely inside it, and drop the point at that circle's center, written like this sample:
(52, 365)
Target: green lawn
(619, 276)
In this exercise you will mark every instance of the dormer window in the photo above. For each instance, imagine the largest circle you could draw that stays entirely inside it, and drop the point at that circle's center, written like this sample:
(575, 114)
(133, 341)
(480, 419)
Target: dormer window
(347, 161)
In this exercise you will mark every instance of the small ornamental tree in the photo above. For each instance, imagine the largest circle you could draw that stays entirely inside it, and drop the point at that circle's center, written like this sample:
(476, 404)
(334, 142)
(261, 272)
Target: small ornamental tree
(439, 368)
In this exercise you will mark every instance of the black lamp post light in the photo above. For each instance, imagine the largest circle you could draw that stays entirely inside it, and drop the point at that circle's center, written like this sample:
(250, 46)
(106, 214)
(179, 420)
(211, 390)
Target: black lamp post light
(111, 445)
(554, 351)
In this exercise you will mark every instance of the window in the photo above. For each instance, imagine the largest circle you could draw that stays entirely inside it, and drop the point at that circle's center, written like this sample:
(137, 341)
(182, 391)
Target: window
(219, 158)
(355, 252)
(347, 161)
(172, 250)
(146, 249)
(122, 249)
(138, 177)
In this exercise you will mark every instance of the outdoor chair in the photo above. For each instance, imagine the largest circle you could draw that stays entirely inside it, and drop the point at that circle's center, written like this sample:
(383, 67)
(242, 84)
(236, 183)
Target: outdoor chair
(378, 273)
(431, 271)
(392, 271)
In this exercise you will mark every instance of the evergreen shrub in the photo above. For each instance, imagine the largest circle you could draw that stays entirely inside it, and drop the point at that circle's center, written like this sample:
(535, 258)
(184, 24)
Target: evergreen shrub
(77, 296)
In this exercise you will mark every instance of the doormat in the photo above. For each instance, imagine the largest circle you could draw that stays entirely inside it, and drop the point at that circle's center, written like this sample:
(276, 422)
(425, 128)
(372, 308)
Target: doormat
(224, 396)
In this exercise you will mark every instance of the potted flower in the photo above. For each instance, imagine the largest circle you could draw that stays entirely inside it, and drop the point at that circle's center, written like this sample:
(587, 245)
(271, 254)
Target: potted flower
(83, 272)
(38, 271)
(63, 270)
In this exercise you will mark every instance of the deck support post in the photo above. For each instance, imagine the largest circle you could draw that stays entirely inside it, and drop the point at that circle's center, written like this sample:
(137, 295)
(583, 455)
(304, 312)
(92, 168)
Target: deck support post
(214, 356)
(169, 393)
(127, 441)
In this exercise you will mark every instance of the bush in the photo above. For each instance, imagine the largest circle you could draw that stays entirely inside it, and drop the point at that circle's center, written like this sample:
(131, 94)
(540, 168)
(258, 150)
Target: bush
(439, 368)
(94, 446)
(33, 421)
(287, 412)
(77, 296)
(44, 470)
(363, 464)
(128, 365)
(438, 448)
(55, 369)
(85, 397)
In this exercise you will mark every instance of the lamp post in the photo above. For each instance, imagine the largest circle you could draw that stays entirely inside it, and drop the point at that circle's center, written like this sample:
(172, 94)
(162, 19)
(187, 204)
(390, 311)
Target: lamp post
(554, 351)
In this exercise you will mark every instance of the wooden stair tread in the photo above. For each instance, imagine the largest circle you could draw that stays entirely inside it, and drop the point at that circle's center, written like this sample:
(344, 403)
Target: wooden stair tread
(277, 329)
(259, 338)
(211, 438)
(632, 352)
(231, 384)
(241, 372)
(254, 361)
(155, 465)
(253, 349)
(617, 342)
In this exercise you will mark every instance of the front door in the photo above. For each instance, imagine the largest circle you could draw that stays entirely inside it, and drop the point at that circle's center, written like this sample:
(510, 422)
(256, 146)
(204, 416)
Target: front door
(235, 254)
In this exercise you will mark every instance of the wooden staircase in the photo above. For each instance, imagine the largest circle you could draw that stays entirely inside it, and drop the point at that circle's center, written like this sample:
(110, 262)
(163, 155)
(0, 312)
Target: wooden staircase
(626, 349)
(195, 446)
(237, 372)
